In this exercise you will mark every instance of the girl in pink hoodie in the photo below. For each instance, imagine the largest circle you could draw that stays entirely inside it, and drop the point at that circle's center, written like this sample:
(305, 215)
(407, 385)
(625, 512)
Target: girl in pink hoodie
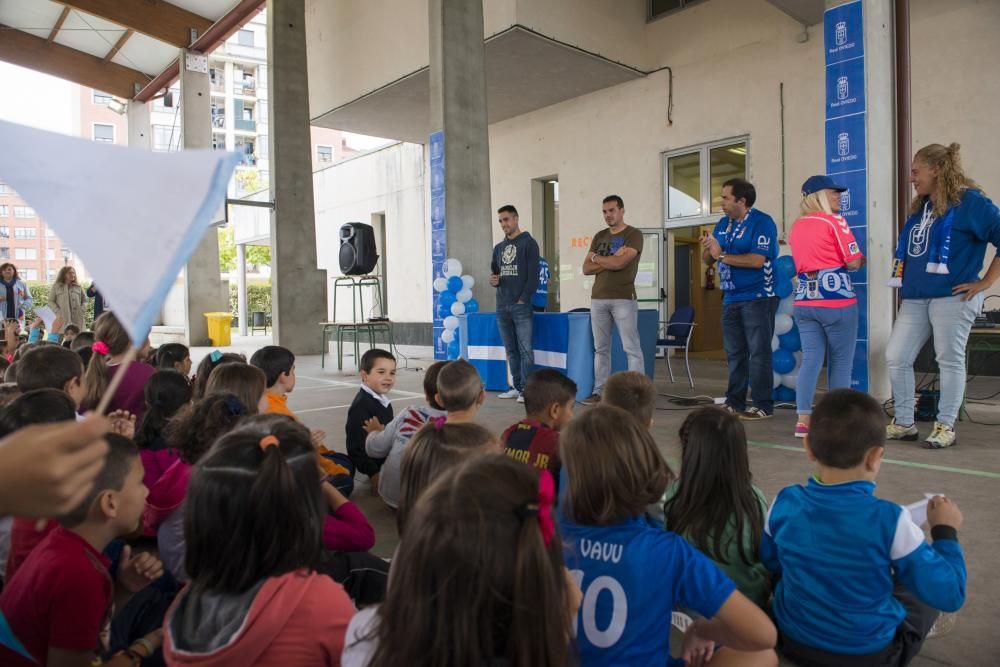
(166, 393)
(253, 519)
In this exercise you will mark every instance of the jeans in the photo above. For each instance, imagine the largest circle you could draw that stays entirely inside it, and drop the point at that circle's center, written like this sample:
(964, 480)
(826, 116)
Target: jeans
(747, 329)
(949, 319)
(514, 322)
(625, 314)
(822, 329)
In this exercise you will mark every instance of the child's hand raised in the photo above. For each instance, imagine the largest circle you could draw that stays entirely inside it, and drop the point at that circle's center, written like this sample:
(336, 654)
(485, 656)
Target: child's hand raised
(134, 574)
(373, 425)
(943, 511)
(122, 423)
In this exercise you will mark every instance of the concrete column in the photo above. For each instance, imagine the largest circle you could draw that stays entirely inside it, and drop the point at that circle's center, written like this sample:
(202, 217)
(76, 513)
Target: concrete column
(203, 288)
(139, 133)
(298, 287)
(458, 106)
(880, 60)
(241, 286)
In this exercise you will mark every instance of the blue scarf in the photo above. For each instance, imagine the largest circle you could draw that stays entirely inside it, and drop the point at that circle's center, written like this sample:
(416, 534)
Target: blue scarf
(11, 306)
(925, 228)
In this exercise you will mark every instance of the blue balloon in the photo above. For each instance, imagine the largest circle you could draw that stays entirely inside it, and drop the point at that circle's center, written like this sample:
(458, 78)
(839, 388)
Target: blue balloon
(453, 349)
(471, 306)
(783, 393)
(444, 310)
(783, 361)
(791, 341)
(784, 267)
(783, 287)
(447, 298)
(455, 284)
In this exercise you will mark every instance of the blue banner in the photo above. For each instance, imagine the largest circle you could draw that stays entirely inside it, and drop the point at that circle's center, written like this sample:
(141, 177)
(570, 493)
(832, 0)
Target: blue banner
(439, 236)
(846, 150)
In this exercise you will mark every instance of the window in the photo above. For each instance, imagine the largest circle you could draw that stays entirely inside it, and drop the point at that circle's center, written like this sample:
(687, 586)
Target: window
(658, 8)
(694, 178)
(166, 138)
(4, 253)
(101, 98)
(104, 133)
(49, 232)
(50, 253)
(52, 275)
(3, 210)
(24, 212)
(244, 37)
(29, 274)
(4, 189)
(219, 142)
(4, 232)
(25, 253)
(25, 233)
(324, 153)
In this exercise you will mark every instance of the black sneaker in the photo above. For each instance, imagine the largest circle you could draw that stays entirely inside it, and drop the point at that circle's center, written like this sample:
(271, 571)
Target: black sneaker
(593, 399)
(753, 414)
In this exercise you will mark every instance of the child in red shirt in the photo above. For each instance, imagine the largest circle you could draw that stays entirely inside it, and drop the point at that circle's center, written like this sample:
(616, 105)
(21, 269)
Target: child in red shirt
(60, 603)
(548, 401)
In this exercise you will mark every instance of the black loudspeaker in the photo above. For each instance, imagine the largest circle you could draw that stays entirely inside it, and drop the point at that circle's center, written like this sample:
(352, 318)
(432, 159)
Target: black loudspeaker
(358, 255)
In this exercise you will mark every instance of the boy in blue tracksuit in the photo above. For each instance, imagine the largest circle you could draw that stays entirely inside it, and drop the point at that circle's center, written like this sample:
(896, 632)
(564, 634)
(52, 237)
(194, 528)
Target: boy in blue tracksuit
(859, 583)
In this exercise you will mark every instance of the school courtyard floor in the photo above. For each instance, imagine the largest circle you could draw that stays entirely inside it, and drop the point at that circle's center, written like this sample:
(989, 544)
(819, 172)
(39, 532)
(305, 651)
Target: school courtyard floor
(969, 472)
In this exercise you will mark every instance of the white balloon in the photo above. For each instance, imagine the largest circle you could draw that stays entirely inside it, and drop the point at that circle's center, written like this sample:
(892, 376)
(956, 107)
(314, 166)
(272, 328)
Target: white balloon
(790, 379)
(775, 343)
(451, 322)
(468, 282)
(458, 308)
(782, 324)
(777, 376)
(787, 305)
(452, 267)
(440, 284)
(464, 295)
(447, 336)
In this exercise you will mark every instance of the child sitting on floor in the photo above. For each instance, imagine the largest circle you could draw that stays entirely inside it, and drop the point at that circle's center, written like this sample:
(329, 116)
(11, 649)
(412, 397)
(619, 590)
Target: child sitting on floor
(245, 381)
(548, 402)
(212, 360)
(378, 377)
(389, 442)
(109, 350)
(635, 574)
(479, 579)
(52, 367)
(254, 519)
(634, 393)
(166, 393)
(859, 583)
(60, 603)
(174, 356)
(714, 504)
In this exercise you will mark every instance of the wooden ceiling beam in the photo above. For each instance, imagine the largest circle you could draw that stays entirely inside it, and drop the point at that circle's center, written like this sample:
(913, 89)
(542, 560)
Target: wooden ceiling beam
(58, 25)
(160, 20)
(118, 46)
(35, 53)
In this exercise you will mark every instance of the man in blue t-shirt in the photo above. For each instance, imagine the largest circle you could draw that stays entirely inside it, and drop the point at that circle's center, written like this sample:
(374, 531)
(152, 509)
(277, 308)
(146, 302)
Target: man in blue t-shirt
(745, 245)
(540, 299)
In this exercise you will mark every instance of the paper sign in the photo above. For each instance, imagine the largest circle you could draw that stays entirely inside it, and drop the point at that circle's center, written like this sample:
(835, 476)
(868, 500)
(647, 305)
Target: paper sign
(644, 279)
(48, 317)
(133, 216)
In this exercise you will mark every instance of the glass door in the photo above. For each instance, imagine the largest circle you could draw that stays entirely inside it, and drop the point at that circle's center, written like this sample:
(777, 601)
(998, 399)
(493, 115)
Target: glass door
(649, 277)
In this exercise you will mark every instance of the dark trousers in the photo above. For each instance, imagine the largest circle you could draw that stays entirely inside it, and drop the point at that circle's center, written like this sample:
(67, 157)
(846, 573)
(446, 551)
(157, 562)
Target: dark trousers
(515, 324)
(904, 647)
(747, 329)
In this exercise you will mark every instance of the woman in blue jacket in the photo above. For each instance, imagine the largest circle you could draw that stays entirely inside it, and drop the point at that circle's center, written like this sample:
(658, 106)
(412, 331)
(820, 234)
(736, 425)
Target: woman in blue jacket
(938, 260)
(15, 297)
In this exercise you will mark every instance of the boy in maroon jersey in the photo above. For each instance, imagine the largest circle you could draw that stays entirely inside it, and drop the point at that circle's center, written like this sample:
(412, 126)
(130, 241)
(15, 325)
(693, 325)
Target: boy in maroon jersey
(548, 401)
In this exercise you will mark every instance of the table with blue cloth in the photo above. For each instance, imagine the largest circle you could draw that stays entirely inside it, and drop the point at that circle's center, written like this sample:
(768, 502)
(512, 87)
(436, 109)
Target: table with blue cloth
(563, 341)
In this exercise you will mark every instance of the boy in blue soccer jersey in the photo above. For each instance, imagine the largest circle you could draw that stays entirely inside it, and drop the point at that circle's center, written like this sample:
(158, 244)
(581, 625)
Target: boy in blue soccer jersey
(633, 574)
(859, 584)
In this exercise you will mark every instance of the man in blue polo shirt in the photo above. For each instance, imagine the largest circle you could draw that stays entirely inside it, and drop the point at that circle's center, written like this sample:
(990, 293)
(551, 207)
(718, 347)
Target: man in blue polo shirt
(745, 245)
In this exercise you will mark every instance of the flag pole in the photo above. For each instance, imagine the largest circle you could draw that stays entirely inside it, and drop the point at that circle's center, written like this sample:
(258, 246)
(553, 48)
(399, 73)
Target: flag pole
(116, 380)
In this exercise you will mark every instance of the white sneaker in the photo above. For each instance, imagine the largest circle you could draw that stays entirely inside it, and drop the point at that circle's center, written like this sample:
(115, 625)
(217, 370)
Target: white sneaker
(510, 393)
(520, 399)
(894, 431)
(942, 436)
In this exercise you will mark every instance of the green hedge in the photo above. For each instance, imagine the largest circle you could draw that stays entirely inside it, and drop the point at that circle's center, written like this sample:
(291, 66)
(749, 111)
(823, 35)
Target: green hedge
(40, 297)
(258, 298)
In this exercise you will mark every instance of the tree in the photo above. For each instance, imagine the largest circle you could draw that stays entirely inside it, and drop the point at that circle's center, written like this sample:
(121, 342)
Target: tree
(257, 255)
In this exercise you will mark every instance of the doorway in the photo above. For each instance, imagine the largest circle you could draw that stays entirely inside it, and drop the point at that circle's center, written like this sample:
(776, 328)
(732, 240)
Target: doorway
(545, 208)
(688, 285)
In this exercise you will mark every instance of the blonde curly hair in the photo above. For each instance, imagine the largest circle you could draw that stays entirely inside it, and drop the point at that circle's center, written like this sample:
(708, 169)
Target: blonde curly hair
(951, 180)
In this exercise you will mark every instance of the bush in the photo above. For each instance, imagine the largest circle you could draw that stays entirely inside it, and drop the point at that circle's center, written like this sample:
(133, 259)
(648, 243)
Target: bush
(258, 299)
(40, 297)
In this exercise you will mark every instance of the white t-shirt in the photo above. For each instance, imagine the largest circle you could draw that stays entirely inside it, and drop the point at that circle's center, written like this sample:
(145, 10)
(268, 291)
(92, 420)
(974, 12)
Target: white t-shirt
(358, 652)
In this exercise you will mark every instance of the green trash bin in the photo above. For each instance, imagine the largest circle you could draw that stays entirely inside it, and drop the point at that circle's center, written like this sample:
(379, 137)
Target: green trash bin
(220, 328)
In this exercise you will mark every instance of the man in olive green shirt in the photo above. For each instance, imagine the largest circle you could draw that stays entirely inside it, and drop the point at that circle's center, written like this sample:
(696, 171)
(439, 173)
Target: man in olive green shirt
(614, 259)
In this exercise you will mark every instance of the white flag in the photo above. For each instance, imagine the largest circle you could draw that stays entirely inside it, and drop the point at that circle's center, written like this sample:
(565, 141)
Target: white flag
(133, 216)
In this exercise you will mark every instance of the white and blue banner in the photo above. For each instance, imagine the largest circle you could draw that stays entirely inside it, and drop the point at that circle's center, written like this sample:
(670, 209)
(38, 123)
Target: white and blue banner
(846, 154)
(439, 237)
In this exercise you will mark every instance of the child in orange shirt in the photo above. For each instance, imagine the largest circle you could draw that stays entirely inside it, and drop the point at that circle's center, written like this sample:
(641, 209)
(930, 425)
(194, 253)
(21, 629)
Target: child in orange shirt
(278, 364)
